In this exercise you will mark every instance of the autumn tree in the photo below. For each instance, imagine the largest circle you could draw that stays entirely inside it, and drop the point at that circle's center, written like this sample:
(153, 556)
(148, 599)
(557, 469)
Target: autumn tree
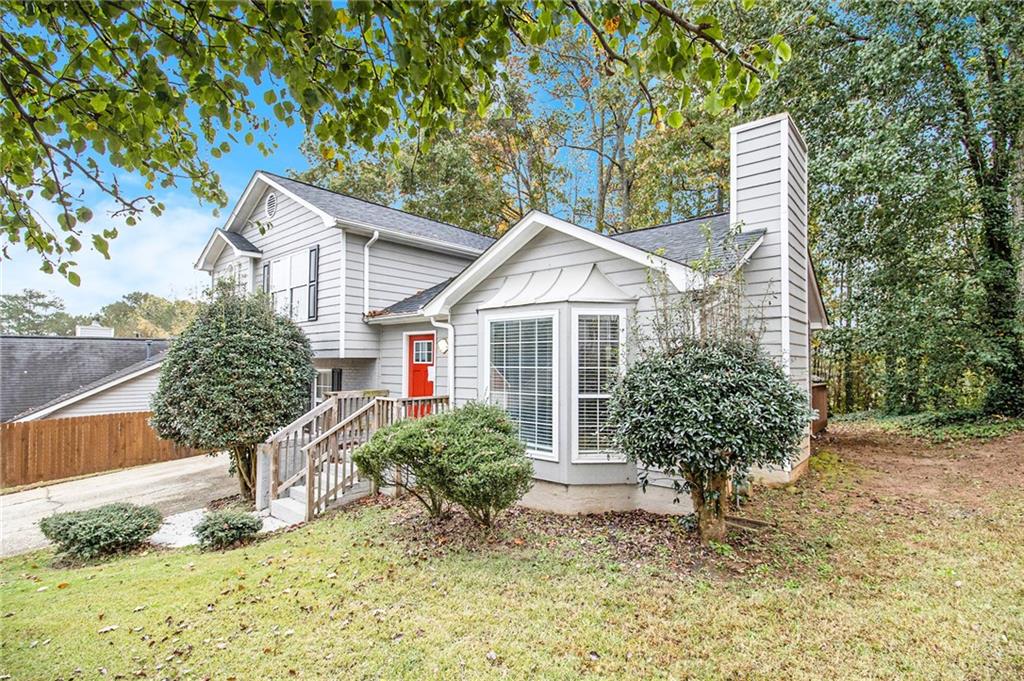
(94, 92)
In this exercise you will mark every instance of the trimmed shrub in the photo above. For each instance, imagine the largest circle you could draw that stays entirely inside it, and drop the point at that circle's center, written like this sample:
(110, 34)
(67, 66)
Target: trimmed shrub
(102, 531)
(223, 529)
(236, 374)
(470, 456)
(705, 412)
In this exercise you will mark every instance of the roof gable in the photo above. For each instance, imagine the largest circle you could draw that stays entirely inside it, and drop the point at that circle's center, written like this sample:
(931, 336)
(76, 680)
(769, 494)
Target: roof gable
(516, 238)
(334, 208)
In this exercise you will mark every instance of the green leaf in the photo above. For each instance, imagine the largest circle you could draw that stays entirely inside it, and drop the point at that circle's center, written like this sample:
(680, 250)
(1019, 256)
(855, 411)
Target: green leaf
(675, 119)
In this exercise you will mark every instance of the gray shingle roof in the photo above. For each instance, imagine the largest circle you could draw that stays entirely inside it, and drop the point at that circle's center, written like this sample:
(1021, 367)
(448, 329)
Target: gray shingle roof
(40, 370)
(687, 241)
(414, 302)
(345, 207)
(683, 242)
(239, 241)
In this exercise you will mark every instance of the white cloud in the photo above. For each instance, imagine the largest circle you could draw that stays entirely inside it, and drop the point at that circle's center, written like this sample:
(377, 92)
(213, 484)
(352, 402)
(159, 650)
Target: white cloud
(156, 256)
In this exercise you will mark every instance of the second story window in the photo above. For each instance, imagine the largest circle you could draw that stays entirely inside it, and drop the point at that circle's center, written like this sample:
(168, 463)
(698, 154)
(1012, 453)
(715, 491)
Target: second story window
(289, 285)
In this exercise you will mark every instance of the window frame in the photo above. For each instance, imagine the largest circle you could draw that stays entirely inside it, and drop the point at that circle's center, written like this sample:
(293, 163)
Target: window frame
(310, 310)
(574, 407)
(485, 363)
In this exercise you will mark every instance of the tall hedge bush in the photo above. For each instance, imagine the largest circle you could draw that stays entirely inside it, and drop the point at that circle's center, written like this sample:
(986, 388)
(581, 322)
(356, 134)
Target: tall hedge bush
(234, 376)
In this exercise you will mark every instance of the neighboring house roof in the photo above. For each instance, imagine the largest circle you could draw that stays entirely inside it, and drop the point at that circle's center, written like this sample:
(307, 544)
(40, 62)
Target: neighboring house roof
(677, 246)
(350, 209)
(35, 371)
(689, 241)
(116, 378)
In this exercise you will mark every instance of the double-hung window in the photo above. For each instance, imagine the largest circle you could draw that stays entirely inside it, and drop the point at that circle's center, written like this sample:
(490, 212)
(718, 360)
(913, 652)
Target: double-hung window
(293, 287)
(597, 363)
(521, 378)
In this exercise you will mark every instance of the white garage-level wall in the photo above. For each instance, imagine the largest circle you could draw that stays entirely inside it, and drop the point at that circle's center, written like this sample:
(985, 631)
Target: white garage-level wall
(133, 394)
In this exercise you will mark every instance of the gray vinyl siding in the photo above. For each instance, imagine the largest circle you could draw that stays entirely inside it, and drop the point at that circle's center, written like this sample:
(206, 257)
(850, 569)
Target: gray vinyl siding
(397, 271)
(131, 395)
(759, 192)
(296, 228)
(393, 357)
(549, 250)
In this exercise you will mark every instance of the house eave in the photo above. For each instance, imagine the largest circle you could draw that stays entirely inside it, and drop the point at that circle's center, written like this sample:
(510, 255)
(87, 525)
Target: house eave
(74, 399)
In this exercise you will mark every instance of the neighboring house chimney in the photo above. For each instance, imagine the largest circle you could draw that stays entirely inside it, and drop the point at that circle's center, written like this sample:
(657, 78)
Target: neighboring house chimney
(94, 330)
(768, 190)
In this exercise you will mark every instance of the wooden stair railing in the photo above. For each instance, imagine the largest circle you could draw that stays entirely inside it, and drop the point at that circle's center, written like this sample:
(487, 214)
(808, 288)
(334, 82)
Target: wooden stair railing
(317, 448)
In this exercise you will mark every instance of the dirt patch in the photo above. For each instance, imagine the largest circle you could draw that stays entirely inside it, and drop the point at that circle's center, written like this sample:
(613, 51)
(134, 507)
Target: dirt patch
(965, 474)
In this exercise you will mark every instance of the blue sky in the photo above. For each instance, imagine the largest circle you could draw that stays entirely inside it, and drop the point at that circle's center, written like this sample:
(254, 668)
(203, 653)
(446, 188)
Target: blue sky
(157, 255)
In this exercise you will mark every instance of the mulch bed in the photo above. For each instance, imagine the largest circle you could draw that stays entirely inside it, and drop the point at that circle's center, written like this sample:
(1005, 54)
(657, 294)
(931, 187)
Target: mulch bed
(634, 540)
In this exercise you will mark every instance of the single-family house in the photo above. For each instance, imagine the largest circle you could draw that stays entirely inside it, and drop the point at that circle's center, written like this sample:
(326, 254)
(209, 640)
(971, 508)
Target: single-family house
(538, 321)
(91, 373)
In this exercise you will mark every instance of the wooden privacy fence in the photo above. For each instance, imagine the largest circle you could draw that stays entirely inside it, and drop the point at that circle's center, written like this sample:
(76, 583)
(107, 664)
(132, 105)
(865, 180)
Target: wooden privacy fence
(51, 449)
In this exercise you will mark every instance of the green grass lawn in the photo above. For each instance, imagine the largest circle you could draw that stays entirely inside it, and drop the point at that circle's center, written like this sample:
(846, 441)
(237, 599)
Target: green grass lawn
(864, 577)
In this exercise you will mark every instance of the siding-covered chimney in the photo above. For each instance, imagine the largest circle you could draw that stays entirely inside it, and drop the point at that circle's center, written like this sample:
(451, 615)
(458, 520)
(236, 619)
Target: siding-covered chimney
(768, 191)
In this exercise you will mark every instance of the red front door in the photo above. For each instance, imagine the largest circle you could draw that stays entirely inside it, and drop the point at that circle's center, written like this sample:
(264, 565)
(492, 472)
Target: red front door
(420, 369)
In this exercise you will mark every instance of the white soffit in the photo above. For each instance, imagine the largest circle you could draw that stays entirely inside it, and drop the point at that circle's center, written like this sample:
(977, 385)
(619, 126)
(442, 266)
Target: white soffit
(577, 283)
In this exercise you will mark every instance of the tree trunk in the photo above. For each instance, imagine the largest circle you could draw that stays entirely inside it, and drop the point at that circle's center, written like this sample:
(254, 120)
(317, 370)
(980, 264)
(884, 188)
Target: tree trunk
(245, 468)
(998, 275)
(710, 505)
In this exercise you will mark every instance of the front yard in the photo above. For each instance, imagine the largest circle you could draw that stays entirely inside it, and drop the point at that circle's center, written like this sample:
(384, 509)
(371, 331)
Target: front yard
(892, 558)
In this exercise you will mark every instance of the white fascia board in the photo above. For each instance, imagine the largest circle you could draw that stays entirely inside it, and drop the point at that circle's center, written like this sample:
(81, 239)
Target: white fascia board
(328, 219)
(681, 276)
(405, 318)
(366, 229)
(205, 263)
(42, 413)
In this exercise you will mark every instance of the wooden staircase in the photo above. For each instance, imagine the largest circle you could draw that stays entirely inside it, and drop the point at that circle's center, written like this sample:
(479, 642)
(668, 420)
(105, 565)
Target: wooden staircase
(310, 460)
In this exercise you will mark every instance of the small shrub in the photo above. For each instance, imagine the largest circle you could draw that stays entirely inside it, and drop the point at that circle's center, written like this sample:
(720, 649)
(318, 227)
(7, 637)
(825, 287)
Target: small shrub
(102, 531)
(470, 456)
(222, 529)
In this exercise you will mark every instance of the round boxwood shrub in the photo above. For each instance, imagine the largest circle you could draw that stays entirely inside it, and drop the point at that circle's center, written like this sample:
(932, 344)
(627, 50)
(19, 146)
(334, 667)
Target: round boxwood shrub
(234, 376)
(471, 456)
(223, 529)
(101, 531)
(704, 412)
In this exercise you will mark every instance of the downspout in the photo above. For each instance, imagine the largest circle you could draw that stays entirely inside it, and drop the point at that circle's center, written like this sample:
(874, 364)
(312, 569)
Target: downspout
(450, 331)
(366, 271)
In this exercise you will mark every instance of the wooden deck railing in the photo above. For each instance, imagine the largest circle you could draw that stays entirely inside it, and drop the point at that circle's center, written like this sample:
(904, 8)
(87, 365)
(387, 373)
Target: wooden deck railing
(316, 449)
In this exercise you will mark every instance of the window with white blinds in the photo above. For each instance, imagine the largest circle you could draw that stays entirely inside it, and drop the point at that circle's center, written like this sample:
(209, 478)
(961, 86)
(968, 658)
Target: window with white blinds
(521, 377)
(597, 365)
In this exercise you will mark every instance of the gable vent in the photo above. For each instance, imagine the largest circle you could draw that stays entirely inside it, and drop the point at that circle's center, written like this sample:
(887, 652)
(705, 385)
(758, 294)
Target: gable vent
(271, 204)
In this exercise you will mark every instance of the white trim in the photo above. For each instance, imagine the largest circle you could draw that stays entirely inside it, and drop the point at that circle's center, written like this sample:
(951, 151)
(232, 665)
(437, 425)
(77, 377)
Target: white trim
(201, 263)
(450, 378)
(342, 291)
(366, 271)
(89, 393)
(784, 293)
(681, 276)
(733, 184)
(484, 372)
(328, 219)
(574, 379)
(405, 360)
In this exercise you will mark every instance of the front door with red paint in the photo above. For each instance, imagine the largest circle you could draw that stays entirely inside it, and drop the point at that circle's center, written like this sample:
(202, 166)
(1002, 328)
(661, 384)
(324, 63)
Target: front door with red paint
(420, 369)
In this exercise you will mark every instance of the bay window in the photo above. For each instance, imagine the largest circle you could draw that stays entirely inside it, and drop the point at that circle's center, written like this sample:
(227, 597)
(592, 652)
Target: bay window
(521, 378)
(597, 362)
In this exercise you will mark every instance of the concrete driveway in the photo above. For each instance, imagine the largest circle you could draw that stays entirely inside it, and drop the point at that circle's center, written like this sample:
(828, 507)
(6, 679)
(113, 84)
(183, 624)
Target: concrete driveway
(171, 486)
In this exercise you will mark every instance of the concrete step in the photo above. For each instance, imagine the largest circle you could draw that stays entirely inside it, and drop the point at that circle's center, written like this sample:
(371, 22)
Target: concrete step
(292, 509)
(288, 510)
